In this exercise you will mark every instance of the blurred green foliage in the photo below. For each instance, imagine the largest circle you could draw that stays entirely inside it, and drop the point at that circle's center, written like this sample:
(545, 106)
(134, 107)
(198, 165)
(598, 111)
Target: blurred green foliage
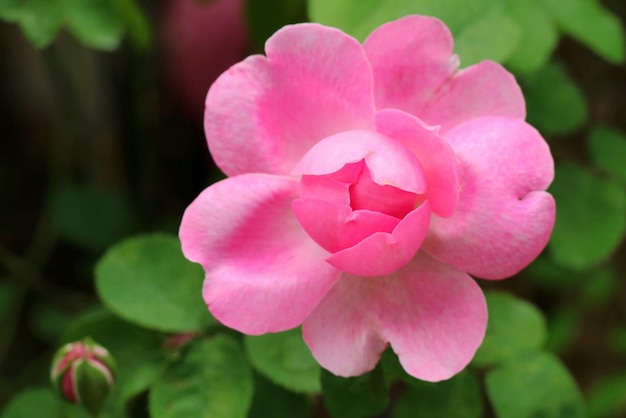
(211, 379)
(75, 266)
(515, 327)
(96, 23)
(521, 33)
(284, 359)
(458, 397)
(535, 385)
(152, 269)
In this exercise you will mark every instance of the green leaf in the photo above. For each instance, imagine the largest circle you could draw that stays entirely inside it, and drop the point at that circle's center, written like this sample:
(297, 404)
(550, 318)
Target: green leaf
(606, 398)
(600, 287)
(563, 328)
(473, 25)
(91, 217)
(555, 103)
(10, 9)
(211, 380)
(591, 24)
(459, 397)
(41, 20)
(285, 359)
(96, 23)
(590, 219)
(617, 340)
(515, 327)
(33, 403)
(392, 368)
(272, 401)
(135, 21)
(539, 36)
(357, 18)
(607, 147)
(355, 397)
(536, 385)
(476, 41)
(41, 402)
(360, 17)
(264, 17)
(147, 281)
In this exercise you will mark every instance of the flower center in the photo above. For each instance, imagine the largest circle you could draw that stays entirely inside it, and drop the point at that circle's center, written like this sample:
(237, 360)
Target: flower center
(366, 194)
(354, 186)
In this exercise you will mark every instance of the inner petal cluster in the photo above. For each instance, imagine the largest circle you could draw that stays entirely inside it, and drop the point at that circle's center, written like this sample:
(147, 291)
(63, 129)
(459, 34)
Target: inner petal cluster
(364, 200)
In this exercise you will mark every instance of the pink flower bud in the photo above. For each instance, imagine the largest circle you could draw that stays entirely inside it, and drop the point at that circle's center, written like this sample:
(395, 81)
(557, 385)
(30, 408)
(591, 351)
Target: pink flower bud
(83, 372)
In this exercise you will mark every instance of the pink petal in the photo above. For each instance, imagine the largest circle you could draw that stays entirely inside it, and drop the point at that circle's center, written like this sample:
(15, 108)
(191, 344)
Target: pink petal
(325, 188)
(410, 58)
(367, 195)
(504, 218)
(263, 273)
(383, 253)
(484, 89)
(388, 161)
(336, 227)
(263, 114)
(433, 315)
(434, 154)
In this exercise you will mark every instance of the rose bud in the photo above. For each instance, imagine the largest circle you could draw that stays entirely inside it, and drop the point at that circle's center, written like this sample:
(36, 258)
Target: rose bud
(83, 372)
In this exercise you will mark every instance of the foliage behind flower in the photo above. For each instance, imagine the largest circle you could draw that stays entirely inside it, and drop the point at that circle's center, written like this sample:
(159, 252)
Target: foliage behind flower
(367, 182)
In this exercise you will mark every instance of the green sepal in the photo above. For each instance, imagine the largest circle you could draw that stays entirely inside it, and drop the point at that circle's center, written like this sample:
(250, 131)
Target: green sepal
(93, 385)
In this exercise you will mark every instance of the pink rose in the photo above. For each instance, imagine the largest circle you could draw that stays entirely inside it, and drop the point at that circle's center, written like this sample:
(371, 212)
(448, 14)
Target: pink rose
(367, 183)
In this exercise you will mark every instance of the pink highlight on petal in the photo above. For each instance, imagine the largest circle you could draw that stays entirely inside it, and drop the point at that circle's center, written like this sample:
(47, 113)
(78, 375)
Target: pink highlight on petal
(74, 351)
(336, 227)
(68, 384)
(442, 320)
(366, 194)
(325, 188)
(383, 253)
(389, 162)
(484, 89)
(433, 315)
(263, 114)
(337, 223)
(504, 218)
(410, 57)
(441, 169)
(263, 272)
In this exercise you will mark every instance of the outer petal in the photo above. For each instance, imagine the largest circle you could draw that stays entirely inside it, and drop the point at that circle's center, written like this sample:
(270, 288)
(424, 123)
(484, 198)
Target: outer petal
(263, 273)
(433, 315)
(484, 89)
(263, 114)
(410, 58)
(433, 152)
(504, 218)
(383, 253)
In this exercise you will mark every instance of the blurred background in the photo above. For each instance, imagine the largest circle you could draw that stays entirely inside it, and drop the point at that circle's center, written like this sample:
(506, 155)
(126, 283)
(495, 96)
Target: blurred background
(101, 138)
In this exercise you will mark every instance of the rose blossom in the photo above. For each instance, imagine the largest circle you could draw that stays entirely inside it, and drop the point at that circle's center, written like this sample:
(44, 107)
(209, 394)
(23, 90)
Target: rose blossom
(367, 182)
